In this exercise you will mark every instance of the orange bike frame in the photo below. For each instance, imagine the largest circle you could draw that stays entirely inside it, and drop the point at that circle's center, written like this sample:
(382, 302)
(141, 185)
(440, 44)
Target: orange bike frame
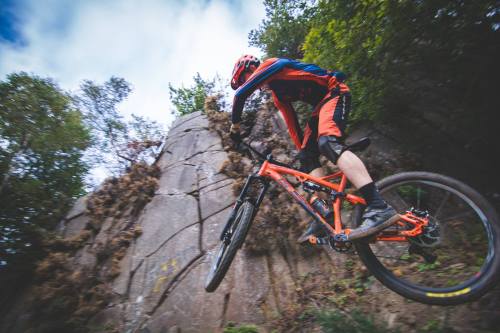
(276, 172)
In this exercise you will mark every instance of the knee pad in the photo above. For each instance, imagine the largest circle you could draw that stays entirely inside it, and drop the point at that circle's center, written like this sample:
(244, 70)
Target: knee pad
(308, 161)
(331, 147)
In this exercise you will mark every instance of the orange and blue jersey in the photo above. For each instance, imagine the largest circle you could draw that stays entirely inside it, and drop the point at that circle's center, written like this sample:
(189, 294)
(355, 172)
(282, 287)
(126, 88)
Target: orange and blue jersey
(289, 81)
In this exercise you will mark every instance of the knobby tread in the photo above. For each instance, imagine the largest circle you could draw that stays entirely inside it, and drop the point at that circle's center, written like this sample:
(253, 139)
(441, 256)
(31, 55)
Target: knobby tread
(242, 225)
(480, 285)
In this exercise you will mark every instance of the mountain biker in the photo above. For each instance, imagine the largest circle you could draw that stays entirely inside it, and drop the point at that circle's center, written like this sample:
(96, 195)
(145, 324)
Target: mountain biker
(290, 81)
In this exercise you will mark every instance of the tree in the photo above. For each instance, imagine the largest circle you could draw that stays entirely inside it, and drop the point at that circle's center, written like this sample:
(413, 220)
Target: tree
(431, 62)
(117, 143)
(283, 31)
(42, 139)
(418, 65)
(349, 36)
(189, 100)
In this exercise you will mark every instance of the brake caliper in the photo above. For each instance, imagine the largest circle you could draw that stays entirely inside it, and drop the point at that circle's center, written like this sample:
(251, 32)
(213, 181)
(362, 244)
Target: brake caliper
(430, 235)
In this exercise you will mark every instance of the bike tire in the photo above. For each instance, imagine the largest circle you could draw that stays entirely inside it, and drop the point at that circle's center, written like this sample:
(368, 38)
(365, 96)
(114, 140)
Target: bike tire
(471, 289)
(226, 252)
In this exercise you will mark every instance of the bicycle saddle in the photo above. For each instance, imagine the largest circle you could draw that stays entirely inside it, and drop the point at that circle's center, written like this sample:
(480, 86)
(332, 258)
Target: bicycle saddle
(359, 145)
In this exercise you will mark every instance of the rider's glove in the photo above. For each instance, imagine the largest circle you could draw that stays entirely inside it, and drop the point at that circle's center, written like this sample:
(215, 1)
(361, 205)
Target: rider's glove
(234, 133)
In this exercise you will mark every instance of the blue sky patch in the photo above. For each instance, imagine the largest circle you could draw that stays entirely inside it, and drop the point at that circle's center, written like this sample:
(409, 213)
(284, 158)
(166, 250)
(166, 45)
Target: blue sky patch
(9, 22)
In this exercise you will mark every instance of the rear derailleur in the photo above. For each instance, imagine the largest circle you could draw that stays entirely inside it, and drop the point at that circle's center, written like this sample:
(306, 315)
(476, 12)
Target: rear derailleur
(430, 237)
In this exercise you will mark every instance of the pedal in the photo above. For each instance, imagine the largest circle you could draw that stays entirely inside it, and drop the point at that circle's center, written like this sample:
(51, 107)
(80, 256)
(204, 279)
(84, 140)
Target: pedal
(318, 240)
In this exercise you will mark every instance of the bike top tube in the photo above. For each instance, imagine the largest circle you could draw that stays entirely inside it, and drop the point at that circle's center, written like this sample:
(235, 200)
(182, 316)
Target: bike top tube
(282, 168)
(276, 170)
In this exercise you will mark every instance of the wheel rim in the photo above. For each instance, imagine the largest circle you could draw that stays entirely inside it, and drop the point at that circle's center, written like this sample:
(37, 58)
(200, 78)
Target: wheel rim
(465, 247)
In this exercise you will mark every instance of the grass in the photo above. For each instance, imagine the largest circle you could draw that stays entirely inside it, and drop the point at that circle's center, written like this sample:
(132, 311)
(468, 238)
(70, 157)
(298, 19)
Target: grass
(334, 321)
(232, 328)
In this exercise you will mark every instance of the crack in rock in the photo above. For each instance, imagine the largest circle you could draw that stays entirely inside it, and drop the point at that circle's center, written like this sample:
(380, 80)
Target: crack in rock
(272, 283)
(197, 262)
(198, 206)
(182, 134)
(217, 188)
(177, 164)
(215, 182)
(185, 121)
(224, 310)
(168, 289)
(286, 252)
(131, 278)
(208, 150)
(218, 211)
(170, 238)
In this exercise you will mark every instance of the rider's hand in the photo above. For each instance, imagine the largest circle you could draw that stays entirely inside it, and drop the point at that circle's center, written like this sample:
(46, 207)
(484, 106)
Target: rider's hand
(234, 133)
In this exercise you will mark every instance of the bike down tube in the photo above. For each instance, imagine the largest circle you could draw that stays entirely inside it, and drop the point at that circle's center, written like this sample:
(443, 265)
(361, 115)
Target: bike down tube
(289, 188)
(273, 171)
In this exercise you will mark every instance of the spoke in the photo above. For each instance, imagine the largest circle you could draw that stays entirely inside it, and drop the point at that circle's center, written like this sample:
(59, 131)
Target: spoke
(456, 216)
(441, 205)
(419, 191)
(397, 201)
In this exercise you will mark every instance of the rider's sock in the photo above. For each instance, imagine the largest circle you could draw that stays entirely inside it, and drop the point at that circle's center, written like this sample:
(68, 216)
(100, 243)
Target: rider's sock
(370, 193)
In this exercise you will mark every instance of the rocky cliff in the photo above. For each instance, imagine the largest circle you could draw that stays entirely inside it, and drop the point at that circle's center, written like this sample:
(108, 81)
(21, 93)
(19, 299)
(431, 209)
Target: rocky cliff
(148, 261)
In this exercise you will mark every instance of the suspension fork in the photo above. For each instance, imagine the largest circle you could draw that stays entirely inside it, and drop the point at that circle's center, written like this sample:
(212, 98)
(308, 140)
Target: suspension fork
(250, 179)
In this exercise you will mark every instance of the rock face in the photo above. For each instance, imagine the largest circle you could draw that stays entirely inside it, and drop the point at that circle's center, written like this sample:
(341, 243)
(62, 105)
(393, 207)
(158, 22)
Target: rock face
(162, 281)
(160, 286)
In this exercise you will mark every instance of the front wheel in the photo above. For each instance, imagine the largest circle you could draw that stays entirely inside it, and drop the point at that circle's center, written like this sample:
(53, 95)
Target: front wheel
(232, 240)
(455, 259)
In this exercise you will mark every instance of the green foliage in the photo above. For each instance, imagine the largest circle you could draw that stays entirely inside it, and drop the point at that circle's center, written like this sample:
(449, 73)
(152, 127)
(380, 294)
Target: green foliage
(420, 64)
(282, 33)
(117, 143)
(435, 326)
(232, 328)
(189, 100)
(404, 57)
(348, 36)
(334, 321)
(42, 139)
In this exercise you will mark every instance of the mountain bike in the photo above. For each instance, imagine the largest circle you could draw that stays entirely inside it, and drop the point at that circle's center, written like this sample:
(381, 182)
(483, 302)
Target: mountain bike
(443, 249)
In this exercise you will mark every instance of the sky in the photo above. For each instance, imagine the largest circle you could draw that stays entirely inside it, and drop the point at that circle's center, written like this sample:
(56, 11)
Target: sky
(150, 43)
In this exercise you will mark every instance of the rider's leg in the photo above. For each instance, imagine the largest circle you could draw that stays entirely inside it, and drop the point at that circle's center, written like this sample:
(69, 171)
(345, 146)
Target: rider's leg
(332, 122)
(354, 169)
(318, 172)
(309, 161)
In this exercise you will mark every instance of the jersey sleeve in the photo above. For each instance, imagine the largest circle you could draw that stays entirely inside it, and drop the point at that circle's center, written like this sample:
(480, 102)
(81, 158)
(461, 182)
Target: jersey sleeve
(291, 120)
(259, 77)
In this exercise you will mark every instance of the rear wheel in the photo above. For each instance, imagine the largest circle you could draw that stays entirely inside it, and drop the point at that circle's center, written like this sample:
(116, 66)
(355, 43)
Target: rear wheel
(232, 240)
(455, 259)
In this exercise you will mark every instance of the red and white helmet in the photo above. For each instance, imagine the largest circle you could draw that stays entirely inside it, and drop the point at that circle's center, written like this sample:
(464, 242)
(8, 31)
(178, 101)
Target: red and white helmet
(242, 65)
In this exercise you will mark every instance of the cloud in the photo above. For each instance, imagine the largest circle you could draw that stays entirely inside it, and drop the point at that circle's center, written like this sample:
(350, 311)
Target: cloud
(149, 43)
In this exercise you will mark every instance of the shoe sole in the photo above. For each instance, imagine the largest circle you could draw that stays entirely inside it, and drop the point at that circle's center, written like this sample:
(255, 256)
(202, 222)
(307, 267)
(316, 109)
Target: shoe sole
(362, 233)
